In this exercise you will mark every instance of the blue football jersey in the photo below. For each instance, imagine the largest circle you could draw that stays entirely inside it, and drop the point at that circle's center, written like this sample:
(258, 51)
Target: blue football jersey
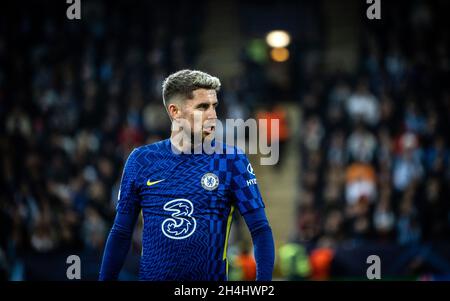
(187, 202)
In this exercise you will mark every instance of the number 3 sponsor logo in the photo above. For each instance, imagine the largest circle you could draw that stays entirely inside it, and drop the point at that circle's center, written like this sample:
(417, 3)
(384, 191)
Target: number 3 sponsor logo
(181, 224)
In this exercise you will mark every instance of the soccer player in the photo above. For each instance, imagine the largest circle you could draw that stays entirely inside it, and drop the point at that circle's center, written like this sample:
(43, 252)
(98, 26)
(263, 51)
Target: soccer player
(187, 199)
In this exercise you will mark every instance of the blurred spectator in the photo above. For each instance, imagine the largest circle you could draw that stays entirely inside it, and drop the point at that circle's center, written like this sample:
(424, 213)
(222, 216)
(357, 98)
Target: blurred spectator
(276, 133)
(437, 157)
(361, 145)
(313, 133)
(94, 230)
(337, 154)
(360, 183)
(409, 231)
(247, 264)
(363, 105)
(414, 121)
(384, 219)
(407, 166)
(294, 262)
(320, 260)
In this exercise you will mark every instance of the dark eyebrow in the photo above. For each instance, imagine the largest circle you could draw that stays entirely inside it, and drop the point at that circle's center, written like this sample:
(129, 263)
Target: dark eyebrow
(206, 103)
(202, 104)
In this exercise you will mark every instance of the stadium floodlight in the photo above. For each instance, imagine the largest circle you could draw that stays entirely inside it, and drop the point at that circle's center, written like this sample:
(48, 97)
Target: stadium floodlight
(278, 38)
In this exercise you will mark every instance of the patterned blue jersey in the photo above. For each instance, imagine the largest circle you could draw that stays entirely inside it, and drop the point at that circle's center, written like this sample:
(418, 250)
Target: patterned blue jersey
(187, 201)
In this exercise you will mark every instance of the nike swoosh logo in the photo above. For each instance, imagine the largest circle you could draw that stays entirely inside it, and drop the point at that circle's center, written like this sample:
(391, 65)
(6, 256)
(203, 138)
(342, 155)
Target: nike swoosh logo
(150, 183)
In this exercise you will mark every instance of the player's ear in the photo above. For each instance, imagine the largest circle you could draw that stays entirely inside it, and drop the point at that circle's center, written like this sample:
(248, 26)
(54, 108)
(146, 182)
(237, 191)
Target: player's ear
(174, 111)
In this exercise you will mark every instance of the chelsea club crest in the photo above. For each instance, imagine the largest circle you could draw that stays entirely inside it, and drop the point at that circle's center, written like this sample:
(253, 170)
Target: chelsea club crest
(210, 181)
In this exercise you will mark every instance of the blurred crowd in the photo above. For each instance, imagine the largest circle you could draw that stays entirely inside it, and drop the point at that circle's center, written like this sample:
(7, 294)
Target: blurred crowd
(75, 99)
(375, 144)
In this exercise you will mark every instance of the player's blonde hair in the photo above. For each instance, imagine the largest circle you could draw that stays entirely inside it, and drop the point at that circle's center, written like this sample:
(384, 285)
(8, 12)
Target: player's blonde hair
(181, 84)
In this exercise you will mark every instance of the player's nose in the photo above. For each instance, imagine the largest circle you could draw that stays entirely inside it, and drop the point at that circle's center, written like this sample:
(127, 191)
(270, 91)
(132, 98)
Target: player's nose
(211, 113)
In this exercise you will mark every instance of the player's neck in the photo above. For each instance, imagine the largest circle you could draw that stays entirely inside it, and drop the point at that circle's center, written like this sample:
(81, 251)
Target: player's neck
(183, 145)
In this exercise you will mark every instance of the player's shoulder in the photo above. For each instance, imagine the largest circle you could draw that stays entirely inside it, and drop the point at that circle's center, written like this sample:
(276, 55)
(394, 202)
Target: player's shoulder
(239, 159)
(148, 149)
(230, 150)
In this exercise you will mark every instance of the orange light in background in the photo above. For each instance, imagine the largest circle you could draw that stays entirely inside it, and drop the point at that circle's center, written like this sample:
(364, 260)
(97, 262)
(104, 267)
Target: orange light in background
(279, 54)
